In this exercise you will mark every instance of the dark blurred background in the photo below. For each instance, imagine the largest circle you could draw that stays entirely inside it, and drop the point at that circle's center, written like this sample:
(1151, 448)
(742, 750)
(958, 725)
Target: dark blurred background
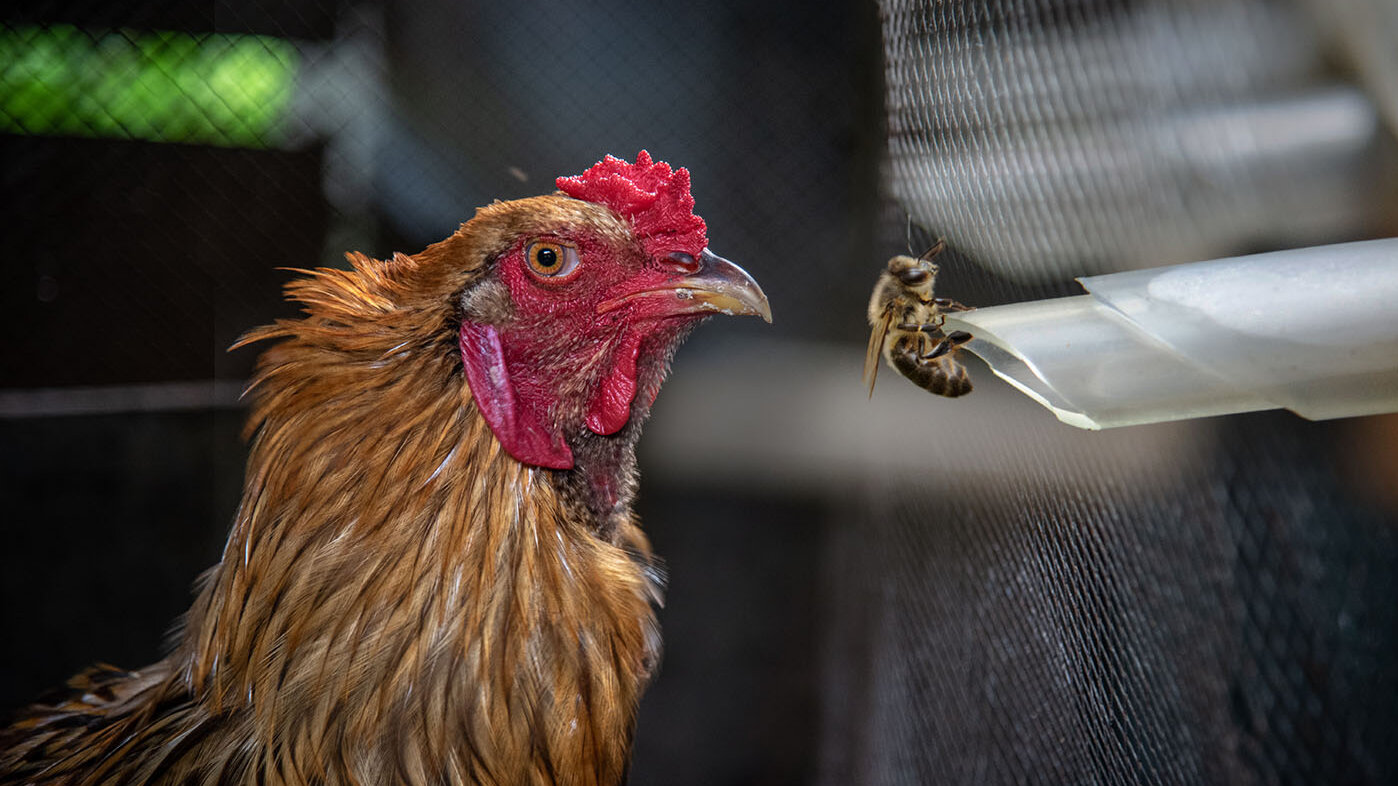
(902, 590)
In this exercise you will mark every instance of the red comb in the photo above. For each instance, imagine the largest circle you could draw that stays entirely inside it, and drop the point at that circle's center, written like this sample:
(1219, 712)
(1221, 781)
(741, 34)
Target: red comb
(654, 198)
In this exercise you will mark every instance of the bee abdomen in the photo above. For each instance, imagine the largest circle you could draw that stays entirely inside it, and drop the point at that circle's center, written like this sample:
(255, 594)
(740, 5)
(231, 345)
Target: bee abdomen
(952, 382)
(942, 376)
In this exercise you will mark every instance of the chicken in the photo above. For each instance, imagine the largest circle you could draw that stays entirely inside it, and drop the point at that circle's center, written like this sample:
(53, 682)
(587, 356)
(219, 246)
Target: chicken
(434, 574)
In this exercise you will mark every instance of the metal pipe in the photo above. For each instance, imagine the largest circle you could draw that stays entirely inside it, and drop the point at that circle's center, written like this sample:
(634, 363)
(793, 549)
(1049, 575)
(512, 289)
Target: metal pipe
(1313, 330)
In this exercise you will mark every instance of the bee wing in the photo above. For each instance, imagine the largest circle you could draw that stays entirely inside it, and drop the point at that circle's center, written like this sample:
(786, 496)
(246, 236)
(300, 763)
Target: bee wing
(876, 340)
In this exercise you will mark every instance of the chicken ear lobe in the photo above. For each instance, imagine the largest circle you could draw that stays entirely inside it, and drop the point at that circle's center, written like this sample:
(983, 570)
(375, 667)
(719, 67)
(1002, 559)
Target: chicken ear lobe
(523, 432)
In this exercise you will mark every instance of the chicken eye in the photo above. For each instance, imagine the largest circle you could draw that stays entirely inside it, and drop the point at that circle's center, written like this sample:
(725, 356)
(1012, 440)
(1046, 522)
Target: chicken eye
(550, 259)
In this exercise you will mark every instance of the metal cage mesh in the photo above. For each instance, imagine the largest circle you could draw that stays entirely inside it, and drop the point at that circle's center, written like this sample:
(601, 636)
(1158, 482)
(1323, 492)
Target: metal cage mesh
(1226, 624)
(1054, 616)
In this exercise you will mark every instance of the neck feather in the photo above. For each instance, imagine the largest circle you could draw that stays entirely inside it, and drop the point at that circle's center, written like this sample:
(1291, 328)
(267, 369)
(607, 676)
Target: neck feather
(392, 568)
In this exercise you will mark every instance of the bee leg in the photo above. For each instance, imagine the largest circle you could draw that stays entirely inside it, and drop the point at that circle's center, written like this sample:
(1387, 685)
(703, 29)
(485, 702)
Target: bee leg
(931, 328)
(947, 344)
(947, 304)
(944, 346)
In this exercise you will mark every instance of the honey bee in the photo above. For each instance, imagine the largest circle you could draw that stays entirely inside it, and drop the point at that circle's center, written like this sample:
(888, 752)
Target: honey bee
(907, 328)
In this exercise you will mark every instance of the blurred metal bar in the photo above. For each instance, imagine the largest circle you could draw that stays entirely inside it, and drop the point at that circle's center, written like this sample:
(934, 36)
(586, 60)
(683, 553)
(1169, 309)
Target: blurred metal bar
(114, 399)
(797, 417)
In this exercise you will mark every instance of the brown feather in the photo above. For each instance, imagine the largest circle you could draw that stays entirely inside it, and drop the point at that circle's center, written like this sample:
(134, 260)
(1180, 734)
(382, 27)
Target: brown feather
(399, 601)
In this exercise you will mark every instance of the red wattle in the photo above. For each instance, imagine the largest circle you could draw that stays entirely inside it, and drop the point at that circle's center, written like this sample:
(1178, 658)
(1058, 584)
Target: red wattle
(610, 407)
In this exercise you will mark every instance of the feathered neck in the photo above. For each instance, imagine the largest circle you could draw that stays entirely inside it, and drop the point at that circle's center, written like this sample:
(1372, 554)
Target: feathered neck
(391, 568)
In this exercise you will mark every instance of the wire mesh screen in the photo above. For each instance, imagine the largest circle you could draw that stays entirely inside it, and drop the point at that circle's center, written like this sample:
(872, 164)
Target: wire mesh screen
(1227, 624)
(1037, 611)
(152, 186)
(1079, 137)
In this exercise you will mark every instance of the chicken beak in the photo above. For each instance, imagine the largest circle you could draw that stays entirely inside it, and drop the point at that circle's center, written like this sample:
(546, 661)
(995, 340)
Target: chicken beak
(717, 286)
(721, 287)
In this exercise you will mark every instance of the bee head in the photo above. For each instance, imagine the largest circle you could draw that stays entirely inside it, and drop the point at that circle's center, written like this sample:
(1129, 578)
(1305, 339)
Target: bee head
(916, 275)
